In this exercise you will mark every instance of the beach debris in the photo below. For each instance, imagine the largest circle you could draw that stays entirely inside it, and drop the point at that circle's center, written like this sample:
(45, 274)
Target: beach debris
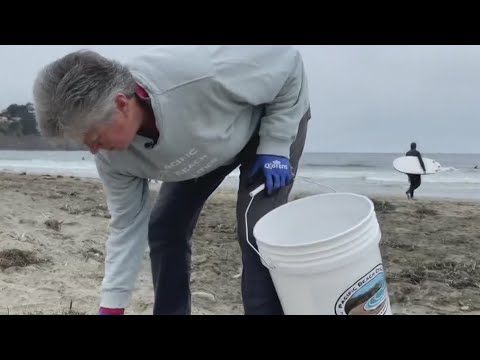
(53, 224)
(69, 311)
(204, 295)
(383, 205)
(93, 253)
(424, 211)
(16, 257)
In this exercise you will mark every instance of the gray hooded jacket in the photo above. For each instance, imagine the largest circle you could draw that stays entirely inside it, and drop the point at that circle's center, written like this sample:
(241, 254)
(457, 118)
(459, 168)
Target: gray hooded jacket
(207, 101)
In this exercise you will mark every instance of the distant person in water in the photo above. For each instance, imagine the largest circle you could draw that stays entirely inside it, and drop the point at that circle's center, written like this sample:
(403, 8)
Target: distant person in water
(415, 179)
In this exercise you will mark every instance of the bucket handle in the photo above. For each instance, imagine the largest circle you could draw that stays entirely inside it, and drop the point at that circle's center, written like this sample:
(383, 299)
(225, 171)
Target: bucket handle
(252, 197)
(254, 193)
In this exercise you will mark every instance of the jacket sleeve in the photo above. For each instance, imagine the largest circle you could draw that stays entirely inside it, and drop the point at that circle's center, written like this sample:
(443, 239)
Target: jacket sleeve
(273, 76)
(129, 204)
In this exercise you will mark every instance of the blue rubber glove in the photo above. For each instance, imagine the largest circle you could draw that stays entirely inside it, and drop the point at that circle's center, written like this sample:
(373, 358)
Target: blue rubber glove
(276, 169)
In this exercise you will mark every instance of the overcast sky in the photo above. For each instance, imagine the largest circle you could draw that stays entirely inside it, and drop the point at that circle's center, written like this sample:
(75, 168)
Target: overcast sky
(364, 98)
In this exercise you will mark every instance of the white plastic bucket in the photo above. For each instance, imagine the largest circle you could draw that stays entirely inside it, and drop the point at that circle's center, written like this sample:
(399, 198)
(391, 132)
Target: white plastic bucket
(324, 257)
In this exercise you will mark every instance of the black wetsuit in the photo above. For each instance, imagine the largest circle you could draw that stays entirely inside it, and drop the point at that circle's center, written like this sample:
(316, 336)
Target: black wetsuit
(415, 179)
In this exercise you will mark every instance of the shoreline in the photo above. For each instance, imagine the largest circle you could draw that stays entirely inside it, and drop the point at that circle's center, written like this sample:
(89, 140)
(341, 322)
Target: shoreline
(35, 143)
(231, 182)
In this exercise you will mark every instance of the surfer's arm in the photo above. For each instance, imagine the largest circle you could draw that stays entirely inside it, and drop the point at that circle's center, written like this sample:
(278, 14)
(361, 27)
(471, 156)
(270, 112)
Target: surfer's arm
(422, 164)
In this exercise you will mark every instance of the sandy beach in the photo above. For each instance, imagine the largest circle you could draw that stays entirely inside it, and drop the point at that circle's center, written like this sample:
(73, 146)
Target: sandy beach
(53, 230)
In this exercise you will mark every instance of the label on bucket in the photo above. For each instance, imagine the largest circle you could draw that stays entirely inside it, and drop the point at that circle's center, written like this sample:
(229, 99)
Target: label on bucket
(368, 296)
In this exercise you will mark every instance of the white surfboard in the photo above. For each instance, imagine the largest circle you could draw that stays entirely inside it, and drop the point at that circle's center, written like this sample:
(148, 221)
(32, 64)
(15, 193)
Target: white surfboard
(411, 165)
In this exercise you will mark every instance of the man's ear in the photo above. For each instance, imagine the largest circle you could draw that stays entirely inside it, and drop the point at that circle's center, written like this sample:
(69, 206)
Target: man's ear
(122, 103)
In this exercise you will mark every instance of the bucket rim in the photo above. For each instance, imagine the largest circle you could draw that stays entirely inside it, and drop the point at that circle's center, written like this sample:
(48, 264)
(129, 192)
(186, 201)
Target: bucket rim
(353, 228)
(280, 259)
(309, 251)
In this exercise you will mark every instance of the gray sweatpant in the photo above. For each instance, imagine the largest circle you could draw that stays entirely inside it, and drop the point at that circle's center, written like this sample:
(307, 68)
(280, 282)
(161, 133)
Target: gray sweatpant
(173, 220)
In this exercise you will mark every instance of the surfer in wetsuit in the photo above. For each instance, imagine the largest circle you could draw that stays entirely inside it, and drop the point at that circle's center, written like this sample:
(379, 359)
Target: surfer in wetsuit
(415, 179)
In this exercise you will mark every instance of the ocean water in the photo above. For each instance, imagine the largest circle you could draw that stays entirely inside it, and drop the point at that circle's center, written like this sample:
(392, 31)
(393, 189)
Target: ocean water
(369, 174)
(373, 174)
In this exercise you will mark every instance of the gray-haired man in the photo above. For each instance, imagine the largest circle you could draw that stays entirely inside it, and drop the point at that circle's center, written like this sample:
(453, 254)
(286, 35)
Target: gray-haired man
(188, 116)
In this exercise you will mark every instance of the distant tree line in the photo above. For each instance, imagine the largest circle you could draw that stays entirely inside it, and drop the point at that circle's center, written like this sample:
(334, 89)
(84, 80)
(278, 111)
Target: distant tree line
(18, 130)
(18, 120)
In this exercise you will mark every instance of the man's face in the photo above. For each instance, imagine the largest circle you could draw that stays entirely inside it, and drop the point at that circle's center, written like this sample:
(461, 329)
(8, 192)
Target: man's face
(113, 136)
(117, 134)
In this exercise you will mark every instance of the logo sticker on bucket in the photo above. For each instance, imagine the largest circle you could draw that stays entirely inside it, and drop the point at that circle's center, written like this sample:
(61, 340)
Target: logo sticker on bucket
(368, 296)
